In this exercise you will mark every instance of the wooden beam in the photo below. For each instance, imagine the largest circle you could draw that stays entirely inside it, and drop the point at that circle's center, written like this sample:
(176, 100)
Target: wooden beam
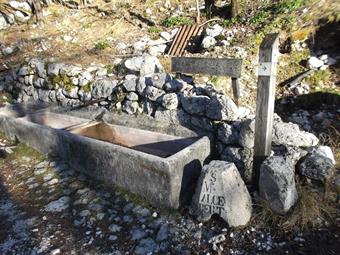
(211, 66)
(268, 58)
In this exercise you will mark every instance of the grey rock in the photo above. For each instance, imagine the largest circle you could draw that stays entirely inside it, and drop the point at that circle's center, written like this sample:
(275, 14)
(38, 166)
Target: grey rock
(314, 63)
(325, 151)
(242, 158)
(70, 70)
(41, 69)
(247, 133)
(128, 207)
(59, 95)
(9, 50)
(148, 107)
(132, 96)
(43, 95)
(144, 65)
(84, 96)
(29, 90)
(221, 191)
(130, 107)
(289, 134)
(58, 205)
(24, 70)
(130, 82)
(216, 30)
(222, 107)
(3, 22)
(54, 68)
(137, 234)
(114, 228)
(208, 42)
(162, 233)
(141, 86)
(277, 184)
(317, 167)
(157, 80)
(195, 104)
(175, 85)
(71, 92)
(153, 93)
(103, 88)
(199, 122)
(170, 101)
(146, 246)
(227, 134)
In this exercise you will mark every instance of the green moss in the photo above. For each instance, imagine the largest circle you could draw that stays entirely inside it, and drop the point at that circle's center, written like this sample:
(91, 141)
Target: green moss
(62, 80)
(87, 88)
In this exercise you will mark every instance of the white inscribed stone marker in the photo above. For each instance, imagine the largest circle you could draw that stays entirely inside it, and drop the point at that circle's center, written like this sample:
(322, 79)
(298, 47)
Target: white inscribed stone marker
(221, 191)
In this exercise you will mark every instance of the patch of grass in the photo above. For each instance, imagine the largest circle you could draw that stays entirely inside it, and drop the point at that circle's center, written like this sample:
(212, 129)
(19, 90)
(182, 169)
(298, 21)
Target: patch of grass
(319, 78)
(154, 30)
(311, 205)
(101, 45)
(287, 6)
(229, 22)
(24, 150)
(109, 68)
(259, 17)
(291, 64)
(176, 21)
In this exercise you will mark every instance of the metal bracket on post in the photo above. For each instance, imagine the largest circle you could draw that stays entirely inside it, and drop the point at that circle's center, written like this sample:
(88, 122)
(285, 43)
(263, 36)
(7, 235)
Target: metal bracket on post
(268, 58)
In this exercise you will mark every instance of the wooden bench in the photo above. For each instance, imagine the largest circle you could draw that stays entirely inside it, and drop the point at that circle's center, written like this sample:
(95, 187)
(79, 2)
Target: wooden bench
(211, 66)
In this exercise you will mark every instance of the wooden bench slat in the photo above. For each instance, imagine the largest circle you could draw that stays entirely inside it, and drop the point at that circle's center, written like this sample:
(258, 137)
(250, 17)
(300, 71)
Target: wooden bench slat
(220, 66)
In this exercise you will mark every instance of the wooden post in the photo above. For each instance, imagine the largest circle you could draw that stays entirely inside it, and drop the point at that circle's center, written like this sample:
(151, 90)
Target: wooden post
(268, 57)
(236, 90)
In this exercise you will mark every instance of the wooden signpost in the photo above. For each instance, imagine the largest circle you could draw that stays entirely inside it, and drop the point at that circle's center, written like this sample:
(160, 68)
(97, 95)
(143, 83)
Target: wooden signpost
(268, 58)
(211, 66)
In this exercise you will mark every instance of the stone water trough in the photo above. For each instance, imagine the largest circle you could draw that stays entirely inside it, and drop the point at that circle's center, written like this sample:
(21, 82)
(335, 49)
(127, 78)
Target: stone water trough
(161, 168)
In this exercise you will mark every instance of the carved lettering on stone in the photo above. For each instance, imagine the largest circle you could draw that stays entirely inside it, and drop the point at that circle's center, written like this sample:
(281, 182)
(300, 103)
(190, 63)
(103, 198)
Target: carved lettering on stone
(221, 190)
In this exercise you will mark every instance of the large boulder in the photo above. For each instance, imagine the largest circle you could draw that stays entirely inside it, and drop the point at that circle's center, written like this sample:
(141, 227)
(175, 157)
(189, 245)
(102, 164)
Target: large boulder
(221, 191)
(277, 184)
(144, 65)
(317, 167)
